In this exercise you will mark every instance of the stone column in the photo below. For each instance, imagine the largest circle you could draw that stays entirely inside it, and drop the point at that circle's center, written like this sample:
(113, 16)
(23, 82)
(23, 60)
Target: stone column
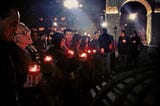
(112, 17)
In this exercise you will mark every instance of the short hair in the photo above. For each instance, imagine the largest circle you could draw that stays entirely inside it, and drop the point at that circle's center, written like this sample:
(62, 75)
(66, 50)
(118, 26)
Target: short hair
(75, 38)
(67, 30)
(123, 31)
(104, 30)
(57, 37)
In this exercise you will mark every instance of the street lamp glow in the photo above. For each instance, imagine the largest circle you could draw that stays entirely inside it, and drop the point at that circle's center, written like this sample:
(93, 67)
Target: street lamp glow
(81, 5)
(104, 24)
(89, 35)
(71, 3)
(85, 33)
(132, 16)
(55, 24)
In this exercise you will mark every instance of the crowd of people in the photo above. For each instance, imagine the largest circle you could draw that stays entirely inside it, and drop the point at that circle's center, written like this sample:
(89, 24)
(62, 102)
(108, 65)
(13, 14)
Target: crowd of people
(56, 69)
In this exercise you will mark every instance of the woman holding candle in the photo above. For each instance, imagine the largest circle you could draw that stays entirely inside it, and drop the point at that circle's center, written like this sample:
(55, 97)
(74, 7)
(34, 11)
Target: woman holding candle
(67, 66)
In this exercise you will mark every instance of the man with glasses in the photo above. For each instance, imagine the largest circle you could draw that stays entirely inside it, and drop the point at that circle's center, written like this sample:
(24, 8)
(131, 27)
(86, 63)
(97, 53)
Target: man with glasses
(26, 55)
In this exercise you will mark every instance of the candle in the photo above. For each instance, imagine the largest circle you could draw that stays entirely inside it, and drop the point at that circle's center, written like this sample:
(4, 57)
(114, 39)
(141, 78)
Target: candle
(33, 68)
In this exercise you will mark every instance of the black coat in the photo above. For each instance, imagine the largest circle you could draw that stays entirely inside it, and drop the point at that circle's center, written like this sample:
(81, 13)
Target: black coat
(11, 79)
(31, 96)
(105, 40)
(123, 45)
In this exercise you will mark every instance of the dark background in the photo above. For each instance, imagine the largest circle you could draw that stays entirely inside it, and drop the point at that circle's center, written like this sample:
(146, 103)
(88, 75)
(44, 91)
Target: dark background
(92, 12)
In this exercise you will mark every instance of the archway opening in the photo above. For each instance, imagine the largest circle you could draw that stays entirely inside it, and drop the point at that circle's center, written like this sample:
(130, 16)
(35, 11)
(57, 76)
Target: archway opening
(134, 18)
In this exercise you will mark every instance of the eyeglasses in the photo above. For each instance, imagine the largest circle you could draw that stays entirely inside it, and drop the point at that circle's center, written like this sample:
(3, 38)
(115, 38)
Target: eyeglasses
(25, 32)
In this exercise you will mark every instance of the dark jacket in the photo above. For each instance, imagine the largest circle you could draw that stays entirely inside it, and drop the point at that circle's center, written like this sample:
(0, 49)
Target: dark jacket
(94, 44)
(105, 40)
(29, 96)
(8, 78)
(135, 44)
(123, 45)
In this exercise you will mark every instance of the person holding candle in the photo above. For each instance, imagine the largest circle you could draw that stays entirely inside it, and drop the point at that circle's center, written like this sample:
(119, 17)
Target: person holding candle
(29, 70)
(123, 49)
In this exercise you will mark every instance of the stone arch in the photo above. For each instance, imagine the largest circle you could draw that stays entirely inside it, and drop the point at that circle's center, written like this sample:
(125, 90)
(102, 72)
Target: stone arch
(143, 2)
(149, 19)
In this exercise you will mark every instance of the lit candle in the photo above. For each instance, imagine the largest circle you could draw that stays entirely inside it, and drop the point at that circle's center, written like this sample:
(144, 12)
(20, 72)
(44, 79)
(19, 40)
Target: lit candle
(89, 51)
(48, 58)
(70, 52)
(34, 68)
(124, 41)
(83, 56)
(94, 51)
(134, 41)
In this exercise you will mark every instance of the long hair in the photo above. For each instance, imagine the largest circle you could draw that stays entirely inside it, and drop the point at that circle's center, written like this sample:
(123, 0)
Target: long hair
(75, 43)
(56, 39)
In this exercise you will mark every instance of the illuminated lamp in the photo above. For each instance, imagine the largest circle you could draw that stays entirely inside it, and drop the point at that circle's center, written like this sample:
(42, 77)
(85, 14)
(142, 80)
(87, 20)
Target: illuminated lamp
(111, 10)
(104, 24)
(132, 16)
(71, 4)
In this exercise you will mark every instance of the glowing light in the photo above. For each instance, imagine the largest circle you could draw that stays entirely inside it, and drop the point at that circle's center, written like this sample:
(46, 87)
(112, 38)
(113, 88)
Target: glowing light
(102, 50)
(85, 33)
(89, 51)
(41, 28)
(34, 68)
(144, 2)
(94, 51)
(70, 52)
(134, 41)
(48, 58)
(111, 46)
(46, 38)
(71, 4)
(132, 16)
(124, 41)
(81, 5)
(157, 10)
(83, 56)
(104, 24)
(111, 10)
(55, 24)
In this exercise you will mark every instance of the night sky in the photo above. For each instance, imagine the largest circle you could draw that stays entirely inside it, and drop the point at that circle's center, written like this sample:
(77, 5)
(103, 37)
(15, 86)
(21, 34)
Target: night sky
(32, 10)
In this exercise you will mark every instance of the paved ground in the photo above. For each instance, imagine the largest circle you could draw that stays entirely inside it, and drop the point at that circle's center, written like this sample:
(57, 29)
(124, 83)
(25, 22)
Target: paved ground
(136, 86)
